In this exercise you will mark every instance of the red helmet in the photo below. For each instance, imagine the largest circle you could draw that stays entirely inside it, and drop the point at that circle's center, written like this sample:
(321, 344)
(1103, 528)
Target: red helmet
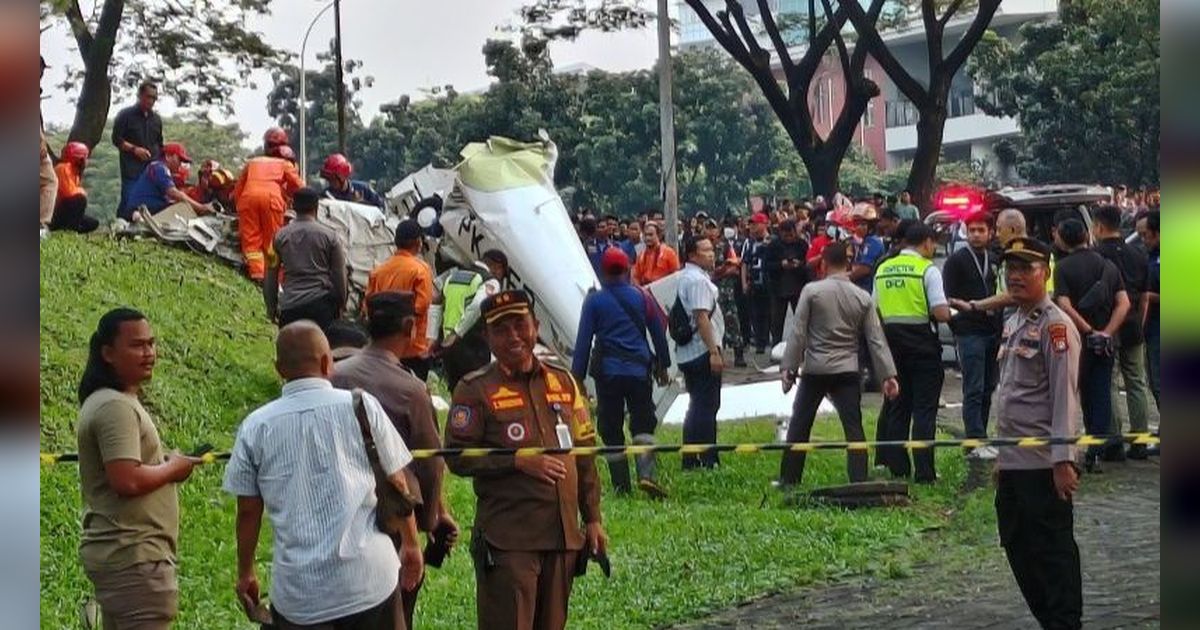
(285, 152)
(274, 137)
(338, 165)
(75, 151)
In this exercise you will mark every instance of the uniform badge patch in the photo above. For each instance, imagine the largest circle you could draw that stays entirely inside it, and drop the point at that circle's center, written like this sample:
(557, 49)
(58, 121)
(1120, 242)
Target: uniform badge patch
(1033, 333)
(504, 398)
(515, 432)
(461, 417)
(1058, 337)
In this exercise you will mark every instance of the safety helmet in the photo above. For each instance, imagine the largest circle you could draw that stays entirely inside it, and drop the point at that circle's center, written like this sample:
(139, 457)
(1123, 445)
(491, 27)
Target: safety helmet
(864, 212)
(75, 151)
(274, 137)
(338, 165)
(220, 178)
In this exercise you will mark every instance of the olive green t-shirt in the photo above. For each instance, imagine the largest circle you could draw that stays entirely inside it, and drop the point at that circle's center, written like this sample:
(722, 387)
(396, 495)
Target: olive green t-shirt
(119, 532)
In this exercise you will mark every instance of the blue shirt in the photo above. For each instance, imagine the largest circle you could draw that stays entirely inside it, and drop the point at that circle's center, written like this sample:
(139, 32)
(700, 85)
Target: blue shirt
(594, 248)
(630, 250)
(868, 254)
(150, 189)
(358, 192)
(624, 347)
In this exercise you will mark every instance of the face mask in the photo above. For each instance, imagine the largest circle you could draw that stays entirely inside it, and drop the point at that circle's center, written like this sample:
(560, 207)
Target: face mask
(729, 233)
(831, 231)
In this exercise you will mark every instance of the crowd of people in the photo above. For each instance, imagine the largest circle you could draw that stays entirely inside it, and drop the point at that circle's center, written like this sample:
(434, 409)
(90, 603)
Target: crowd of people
(1042, 328)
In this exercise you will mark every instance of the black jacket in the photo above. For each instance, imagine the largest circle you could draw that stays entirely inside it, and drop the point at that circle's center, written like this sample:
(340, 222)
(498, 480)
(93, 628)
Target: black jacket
(962, 280)
(143, 130)
(786, 283)
(1133, 265)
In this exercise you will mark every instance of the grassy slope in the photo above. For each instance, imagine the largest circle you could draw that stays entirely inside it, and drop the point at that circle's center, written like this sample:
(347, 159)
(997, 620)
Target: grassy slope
(721, 538)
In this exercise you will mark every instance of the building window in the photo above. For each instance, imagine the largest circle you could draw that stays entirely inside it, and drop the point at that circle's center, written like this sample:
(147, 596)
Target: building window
(869, 115)
(824, 101)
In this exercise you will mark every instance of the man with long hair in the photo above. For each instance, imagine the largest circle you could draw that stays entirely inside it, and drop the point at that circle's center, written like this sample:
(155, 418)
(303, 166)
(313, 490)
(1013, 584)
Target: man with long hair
(131, 504)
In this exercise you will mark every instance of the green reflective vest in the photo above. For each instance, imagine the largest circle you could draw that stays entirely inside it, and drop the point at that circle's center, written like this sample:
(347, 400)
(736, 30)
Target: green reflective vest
(900, 290)
(458, 292)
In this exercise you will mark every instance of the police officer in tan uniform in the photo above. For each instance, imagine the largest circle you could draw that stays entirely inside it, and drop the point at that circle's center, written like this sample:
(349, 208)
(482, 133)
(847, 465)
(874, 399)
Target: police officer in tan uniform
(1038, 396)
(527, 542)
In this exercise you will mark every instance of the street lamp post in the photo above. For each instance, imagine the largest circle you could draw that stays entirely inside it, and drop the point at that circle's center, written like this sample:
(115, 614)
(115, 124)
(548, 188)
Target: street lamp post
(667, 127)
(304, 93)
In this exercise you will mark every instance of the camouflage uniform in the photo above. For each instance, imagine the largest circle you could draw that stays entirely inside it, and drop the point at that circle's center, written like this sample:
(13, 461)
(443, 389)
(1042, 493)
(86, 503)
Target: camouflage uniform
(728, 301)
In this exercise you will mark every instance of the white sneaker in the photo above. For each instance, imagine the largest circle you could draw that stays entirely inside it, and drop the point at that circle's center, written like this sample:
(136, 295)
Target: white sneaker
(985, 452)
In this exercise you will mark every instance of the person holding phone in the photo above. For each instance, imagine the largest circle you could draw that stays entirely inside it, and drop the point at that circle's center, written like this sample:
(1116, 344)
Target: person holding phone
(130, 497)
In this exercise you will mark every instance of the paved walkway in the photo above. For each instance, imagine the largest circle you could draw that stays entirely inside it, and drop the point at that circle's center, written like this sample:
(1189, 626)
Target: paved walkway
(1116, 526)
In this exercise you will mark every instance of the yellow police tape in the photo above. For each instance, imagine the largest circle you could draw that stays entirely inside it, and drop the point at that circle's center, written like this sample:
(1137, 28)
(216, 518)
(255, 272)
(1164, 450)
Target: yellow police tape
(696, 449)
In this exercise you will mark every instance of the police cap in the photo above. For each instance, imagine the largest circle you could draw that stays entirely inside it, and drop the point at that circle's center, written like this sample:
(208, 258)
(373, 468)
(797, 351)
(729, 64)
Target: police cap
(1028, 250)
(506, 303)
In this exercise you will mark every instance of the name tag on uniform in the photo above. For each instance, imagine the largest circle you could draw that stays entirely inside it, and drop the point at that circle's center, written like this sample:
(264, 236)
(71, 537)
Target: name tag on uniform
(562, 429)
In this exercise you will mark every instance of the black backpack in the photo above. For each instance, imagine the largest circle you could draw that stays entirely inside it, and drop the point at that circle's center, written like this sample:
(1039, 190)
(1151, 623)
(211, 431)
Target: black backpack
(679, 324)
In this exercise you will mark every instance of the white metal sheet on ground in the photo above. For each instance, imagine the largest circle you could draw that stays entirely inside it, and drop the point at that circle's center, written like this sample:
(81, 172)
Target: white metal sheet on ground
(741, 402)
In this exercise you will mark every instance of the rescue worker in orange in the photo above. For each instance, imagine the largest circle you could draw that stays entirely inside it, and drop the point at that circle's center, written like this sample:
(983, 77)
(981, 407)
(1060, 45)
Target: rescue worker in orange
(527, 541)
(406, 271)
(262, 194)
(71, 203)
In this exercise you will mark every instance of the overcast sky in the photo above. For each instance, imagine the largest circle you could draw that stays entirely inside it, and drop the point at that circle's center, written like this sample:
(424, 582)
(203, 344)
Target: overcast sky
(405, 45)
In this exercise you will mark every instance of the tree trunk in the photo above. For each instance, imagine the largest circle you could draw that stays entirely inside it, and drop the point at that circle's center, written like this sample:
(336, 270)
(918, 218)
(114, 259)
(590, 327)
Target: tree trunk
(91, 108)
(930, 129)
(823, 173)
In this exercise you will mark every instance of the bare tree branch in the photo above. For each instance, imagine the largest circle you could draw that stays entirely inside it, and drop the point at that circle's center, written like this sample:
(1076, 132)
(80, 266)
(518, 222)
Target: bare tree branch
(859, 59)
(868, 35)
(958, 56)
(955, 5)
(756, 50)
(933, 34)
(843, 54)
(79, 28)
(785, 59)
(812, 21)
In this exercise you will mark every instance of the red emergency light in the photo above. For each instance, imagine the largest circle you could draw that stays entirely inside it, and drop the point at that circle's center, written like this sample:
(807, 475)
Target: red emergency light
(960, 201)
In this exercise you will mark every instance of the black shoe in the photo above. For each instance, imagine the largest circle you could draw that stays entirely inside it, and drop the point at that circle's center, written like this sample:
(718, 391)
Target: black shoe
(1138, 452)
(739, 360)
(759, 350)
(1114, 453)
(1091, 465)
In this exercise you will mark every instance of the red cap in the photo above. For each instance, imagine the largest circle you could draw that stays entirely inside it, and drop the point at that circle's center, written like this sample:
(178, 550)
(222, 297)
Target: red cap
(176, 149)
(759, 217)
(614, 260)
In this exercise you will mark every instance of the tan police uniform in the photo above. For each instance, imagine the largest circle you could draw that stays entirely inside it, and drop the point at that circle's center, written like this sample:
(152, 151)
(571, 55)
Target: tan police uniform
(527, 538)
(1038, 396)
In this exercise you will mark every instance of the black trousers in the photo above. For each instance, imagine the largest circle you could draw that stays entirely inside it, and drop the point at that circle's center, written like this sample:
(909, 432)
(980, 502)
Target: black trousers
(616, 393)
(389, 615)
(913, 412)
(1037, 532)
(747, 314)
(700, 423)
(321, 311)
(418, 366)
(465, 356)
(779, 309)
(845, 391)
(760, 317)
(69, 215)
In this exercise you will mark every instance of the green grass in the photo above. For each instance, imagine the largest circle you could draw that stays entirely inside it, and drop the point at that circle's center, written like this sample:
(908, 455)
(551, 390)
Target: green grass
(723, 537)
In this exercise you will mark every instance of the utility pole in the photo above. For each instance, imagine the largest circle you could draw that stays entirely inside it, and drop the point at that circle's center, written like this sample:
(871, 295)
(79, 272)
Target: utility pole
(667, 123)
(341, 85)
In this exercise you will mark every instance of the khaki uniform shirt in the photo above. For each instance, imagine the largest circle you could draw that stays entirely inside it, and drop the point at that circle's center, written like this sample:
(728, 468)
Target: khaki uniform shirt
(1038, 393)
(405, 399)
(119, 532)
(831, 315)
(493, 408)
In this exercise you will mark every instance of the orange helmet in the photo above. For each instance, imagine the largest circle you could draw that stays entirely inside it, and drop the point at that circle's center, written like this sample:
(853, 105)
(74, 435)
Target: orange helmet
(338, 165)
(274, 137)
(75, 151)
(221, 178)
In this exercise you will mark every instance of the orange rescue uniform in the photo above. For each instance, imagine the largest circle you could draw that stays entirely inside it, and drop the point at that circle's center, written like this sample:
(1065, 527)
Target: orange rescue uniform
(404, 271)
(655, 264)
(262, 195)
(70, 180)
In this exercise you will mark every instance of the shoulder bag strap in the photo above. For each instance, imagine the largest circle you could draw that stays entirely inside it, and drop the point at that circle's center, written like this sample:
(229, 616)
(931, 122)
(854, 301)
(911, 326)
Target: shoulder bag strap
(360, 413)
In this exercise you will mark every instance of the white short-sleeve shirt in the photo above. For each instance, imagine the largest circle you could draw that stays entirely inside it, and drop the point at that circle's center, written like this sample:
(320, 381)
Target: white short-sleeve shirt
(697, 292)
(304, 455)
